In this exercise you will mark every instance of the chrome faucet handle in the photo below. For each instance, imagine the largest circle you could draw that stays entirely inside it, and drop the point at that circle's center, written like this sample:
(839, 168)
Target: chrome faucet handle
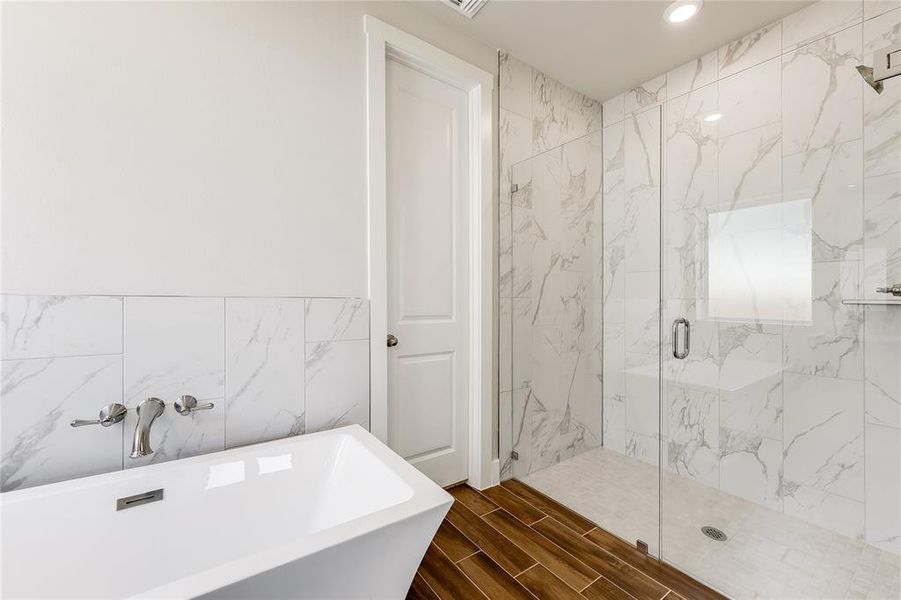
(894, 290)
(188, 404)
(109, 415)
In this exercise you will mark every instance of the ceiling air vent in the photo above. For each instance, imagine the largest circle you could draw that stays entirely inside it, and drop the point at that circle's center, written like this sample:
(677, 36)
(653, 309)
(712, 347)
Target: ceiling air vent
(466, 7)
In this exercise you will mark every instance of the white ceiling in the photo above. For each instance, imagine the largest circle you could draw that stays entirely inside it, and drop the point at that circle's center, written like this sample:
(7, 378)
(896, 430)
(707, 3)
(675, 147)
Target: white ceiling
(604, 47)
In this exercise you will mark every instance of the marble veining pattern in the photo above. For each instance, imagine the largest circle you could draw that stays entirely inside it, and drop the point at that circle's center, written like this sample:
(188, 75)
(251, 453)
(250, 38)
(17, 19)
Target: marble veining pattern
(550, 270)
(249, 356)
(754, 48)
(48, 326)
(822, 92)
(775, 153)
(264, 349)
(829, 179)
(692, 75)
(819, 20)
(882, 232)
(650, 93)
(40, 397)
(882, 112)
(337, 384)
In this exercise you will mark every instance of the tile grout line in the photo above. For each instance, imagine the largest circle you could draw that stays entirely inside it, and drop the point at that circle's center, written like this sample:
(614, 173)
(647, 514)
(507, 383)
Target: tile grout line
(591, 583)
(480, 548)
(470, 555)
(528, 569)
(55, 357)
(629, 563)
(459, 570)
(602, 551)
(506, 539)
(546, 514)
(781, 53)
(427, 584)
(590, 541)
(562, 551)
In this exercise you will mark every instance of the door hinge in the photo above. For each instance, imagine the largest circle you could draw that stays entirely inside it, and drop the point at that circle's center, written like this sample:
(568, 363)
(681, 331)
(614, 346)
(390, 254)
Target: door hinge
(514, 188)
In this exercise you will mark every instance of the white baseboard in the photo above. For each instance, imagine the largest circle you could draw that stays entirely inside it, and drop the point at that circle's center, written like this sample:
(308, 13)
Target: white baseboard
(495, 472)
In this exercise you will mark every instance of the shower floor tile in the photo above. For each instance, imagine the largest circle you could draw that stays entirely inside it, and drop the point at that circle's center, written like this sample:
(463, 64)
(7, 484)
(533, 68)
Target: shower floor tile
(767, 554)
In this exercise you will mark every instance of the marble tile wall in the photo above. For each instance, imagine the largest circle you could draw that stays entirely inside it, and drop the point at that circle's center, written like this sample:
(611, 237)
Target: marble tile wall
(631, 273)
(782, 196)
(273, 367)
(550, 277)
(774, 173)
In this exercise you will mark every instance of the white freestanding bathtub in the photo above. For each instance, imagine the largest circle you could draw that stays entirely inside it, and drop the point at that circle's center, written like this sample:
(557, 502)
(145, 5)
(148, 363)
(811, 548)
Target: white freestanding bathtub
(327, 515)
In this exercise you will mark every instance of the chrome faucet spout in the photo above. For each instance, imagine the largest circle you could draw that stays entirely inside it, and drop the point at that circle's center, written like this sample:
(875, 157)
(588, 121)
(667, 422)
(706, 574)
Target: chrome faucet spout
(148, 411)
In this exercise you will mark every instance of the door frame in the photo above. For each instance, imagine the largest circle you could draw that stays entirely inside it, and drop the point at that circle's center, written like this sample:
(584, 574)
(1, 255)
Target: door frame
(383, 41)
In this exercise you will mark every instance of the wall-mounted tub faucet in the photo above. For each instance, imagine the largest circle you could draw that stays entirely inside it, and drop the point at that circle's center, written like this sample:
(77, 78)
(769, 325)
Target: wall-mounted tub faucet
(148, 411)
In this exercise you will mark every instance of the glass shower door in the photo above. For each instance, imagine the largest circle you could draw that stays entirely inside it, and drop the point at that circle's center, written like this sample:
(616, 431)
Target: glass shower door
(628, 503)
(762, 389)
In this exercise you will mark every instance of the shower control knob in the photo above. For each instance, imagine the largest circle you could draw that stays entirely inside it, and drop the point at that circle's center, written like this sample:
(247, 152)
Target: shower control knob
(392, 340)
(109, 415)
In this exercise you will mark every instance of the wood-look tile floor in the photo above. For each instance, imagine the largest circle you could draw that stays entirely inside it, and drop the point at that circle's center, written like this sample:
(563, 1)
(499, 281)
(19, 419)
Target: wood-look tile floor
(511, 541)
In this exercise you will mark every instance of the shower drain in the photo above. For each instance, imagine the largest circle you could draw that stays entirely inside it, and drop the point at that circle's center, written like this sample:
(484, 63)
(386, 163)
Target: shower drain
(714, 533)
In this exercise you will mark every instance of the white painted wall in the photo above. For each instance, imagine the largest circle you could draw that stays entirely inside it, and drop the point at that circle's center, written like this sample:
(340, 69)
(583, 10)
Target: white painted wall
(190, 148)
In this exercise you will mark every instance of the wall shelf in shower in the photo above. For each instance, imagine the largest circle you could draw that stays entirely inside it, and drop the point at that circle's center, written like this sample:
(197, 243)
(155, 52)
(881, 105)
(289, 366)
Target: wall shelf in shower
(868, 301)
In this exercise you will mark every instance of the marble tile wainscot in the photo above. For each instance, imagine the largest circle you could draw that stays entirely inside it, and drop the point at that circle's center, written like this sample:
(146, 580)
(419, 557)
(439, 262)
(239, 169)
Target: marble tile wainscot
(274, 367)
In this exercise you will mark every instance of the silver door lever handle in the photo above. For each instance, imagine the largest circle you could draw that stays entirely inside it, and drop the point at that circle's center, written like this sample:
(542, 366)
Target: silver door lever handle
(188, 404)
(109, 415)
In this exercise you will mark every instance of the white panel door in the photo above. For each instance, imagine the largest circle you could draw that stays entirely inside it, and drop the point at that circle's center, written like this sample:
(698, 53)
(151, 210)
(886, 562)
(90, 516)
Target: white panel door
(428, 186)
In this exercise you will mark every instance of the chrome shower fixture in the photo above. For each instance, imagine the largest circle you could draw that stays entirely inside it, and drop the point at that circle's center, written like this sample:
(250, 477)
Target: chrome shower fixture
(887, 64)
(867, 74)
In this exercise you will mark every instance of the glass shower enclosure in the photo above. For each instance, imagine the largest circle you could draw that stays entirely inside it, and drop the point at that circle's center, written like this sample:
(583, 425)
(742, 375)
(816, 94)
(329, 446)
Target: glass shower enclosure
(699, 361)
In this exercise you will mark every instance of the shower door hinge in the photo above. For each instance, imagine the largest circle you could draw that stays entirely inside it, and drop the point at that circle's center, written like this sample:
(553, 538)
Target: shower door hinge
(642, 546)
(514, 455)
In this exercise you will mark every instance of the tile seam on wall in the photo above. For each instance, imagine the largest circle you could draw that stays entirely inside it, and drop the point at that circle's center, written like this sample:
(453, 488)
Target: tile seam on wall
(555, 148)
(55, 356)
(346, 320)
(829, 260)
(781, 54)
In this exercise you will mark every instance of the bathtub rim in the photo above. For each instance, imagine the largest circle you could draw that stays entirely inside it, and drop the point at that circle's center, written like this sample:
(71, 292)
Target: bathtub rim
(426, 496)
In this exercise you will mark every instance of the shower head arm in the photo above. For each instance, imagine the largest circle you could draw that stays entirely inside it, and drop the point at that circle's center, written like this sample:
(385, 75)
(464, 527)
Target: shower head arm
(887, 64)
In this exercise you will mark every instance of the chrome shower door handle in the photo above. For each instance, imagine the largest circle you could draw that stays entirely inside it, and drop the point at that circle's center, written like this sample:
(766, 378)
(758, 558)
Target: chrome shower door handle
(686, 346)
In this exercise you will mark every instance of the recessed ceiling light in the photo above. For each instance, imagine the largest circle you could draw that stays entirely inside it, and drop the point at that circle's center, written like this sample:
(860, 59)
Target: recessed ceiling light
(713, 117)
(682, 10)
